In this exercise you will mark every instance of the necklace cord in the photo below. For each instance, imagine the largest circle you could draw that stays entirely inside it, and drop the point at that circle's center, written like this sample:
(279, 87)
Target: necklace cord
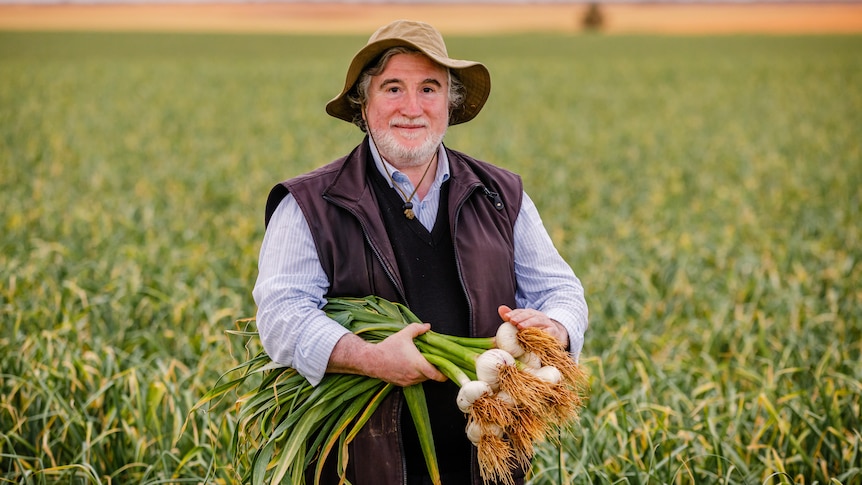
(408, 200)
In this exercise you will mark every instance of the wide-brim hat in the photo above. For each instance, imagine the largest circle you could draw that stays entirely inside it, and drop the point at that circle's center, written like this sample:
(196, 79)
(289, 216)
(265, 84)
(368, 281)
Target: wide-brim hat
(418, 35)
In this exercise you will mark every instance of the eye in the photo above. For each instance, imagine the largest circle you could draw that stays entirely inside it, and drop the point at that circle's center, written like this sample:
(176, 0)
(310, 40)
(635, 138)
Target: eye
(428, 90)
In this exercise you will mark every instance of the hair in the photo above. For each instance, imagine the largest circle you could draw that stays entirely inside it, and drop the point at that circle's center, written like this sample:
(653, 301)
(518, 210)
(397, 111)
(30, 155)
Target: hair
(358, 96)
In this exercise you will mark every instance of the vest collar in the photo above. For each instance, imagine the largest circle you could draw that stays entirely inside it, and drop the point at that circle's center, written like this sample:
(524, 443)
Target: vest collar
(350, 186)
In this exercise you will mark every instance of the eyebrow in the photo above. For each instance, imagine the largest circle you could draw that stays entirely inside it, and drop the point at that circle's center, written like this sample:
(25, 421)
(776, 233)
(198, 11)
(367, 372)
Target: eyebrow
(430, 80)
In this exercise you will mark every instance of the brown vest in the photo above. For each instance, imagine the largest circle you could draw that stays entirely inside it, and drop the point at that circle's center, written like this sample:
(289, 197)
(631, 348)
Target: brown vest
(341, 209)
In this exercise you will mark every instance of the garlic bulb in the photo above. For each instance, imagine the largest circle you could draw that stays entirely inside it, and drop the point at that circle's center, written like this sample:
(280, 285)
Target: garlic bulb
(530, 360)
(548, 373)
(476, 431)
(470, 392)
(506, 398)
(507, 339)
(489, 363)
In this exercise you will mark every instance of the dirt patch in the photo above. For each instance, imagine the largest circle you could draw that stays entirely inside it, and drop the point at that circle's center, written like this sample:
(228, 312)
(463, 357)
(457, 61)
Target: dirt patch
(450, 19)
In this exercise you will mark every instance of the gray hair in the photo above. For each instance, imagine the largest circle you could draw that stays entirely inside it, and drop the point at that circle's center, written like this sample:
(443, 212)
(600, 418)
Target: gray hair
(359, 94)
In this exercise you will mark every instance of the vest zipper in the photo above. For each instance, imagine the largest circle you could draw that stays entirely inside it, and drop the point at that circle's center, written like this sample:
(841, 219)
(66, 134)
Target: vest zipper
(494, 198)
(459, 204)
(400, 291)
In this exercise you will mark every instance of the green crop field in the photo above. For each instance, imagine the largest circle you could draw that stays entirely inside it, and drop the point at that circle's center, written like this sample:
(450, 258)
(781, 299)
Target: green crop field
(707, 191)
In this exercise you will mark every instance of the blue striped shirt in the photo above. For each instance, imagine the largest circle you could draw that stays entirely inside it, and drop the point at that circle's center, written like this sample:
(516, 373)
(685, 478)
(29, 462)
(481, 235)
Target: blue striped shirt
(291, 282)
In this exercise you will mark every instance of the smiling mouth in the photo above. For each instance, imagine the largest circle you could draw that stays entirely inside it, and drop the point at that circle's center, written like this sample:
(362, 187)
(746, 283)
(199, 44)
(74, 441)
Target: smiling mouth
(407, 125)
(409, 132)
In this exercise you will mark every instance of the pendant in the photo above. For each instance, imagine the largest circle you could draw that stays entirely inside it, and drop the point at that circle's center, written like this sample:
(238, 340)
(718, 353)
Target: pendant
(408, 210)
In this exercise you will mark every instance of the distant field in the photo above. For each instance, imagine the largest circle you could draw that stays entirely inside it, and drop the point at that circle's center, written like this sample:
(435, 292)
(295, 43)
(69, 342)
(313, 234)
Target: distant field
(707, 190)
(467, 18)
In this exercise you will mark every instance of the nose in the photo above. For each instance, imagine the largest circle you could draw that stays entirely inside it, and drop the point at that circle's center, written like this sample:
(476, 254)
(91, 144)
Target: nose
(412, 106)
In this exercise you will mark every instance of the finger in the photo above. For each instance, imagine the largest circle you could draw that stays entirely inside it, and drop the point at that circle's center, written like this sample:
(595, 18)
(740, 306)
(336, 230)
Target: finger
(531, 318)
(504, 312)
(414, 330)
(533, 321)
(550, 327)
(434, 374)
(424, 369)
(520, 316)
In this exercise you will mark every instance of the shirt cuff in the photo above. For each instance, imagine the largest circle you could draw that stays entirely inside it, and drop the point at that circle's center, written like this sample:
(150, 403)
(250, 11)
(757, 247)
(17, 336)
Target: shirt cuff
(315, 347)
(575, 330)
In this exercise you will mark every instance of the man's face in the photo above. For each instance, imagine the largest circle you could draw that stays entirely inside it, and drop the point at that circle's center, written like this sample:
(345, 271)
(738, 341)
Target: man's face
(408, 109)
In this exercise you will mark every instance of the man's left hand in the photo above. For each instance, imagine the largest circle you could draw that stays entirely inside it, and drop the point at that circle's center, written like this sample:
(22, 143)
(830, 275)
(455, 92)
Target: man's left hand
(527, 317)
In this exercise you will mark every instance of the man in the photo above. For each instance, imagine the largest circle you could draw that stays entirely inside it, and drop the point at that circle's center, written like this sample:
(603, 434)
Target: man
(406, 218)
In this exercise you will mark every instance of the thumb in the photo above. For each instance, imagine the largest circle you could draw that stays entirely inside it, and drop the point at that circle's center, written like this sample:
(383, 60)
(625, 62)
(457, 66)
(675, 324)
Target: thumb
(503, 310)
(416, 329)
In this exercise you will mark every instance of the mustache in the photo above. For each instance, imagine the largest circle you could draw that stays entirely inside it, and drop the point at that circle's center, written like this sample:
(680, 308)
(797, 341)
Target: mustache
(408, 121)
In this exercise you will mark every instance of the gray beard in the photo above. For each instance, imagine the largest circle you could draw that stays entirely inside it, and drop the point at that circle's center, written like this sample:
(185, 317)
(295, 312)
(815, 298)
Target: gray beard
(402, 156)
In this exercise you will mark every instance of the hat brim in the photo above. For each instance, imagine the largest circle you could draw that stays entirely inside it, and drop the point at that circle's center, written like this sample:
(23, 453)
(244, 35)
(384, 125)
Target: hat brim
(473, 75)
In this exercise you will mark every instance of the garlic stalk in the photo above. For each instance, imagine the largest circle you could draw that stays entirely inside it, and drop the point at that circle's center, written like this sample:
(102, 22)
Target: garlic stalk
(448, 369)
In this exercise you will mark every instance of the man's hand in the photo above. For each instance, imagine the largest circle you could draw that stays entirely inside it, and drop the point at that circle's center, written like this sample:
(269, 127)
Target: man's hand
(395, 360)
(525, 317)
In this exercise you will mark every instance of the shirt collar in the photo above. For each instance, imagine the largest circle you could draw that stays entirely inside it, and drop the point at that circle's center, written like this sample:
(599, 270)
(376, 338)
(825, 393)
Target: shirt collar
(441, 176)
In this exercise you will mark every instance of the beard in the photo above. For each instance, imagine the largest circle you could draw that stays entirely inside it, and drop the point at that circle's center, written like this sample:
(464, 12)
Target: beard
(403, 156)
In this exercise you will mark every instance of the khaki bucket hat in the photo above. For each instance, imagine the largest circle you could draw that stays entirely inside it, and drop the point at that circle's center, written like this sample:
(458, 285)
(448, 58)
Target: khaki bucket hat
(419, 35)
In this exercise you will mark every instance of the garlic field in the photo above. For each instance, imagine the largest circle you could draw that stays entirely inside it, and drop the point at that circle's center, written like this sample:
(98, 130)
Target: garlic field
(706, 190)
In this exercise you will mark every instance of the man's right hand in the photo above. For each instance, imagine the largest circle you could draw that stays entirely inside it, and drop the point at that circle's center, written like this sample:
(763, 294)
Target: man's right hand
(395, 360)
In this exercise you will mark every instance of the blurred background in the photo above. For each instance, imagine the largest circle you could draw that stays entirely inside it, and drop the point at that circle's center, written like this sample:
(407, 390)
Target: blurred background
(456, 17)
